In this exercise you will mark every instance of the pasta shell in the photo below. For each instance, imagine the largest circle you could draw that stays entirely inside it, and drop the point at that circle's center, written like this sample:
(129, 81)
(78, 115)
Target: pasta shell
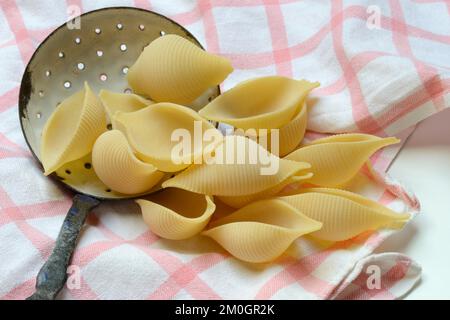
(344, 214)
(172, 69)
(229, 177)
(124, 102)
(336, 159)
(72, 129)
(261, 231)
(150, 132)
(291, 134)
(260, 103)
(168, 215)
(241, 201)
(118, 168)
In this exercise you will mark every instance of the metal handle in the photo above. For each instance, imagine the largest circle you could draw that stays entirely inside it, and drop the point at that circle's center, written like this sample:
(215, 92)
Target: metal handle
(53, 274)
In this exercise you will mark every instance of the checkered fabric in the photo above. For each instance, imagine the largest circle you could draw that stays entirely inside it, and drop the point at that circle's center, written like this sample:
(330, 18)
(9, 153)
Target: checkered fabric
(383, 65)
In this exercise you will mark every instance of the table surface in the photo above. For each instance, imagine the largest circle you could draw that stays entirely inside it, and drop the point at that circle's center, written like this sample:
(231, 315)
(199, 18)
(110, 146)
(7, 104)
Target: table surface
(424, 167)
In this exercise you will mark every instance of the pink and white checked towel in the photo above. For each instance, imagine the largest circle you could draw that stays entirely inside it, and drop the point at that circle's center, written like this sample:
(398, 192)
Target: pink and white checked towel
(383, 68)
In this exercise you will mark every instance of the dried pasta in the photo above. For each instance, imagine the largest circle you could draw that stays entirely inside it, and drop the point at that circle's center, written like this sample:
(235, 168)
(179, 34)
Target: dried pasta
(124, 102)
(172, 69)
(72, 129)
(234, 179)
(344, 214)
(261, 231)
(336, 159)
(118, 168)
(260, 103)
(150, 133)
(176, 214)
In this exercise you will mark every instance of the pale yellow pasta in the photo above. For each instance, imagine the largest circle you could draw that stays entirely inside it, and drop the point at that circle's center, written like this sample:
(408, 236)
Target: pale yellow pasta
(172, 69)
(336, 159)
(241, 201)
(290, 135)
(150, 132)
(344, 214)
(260, 103)
(72, 129)
(176, 214)
(261, 231)
(124, 102)
(231, 178)
(118, 168)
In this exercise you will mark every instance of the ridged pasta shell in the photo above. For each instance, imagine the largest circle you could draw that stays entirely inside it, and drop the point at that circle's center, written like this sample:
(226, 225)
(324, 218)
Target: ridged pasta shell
(344, 214)
(150, 131)
(260, 103)
(261, 231)
(291, 134)
(241, 201)
(125, 102)
(336, 159)
(233, 178)
(176, 214)
(118, 168)
(172, 69)
(72, 129)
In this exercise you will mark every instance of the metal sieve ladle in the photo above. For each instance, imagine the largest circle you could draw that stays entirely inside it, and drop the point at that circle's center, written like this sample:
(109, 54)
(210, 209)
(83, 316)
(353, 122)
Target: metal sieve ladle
(107, 42)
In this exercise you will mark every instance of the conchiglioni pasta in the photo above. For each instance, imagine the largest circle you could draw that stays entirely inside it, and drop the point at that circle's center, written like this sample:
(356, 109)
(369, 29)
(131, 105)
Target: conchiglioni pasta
(260, 103)
(118, 168)
(240, 176)
(172, 69)
(261, 231)
(72, 129)
(240, 201)
(290, 135)
(125, 102)
(336, 159)
(344, 214)
(167, 135)
(176, 214)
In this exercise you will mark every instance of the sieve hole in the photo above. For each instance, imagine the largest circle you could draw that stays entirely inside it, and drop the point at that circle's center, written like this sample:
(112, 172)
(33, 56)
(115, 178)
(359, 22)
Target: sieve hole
(87, 165)
(127, 91)
(81, 66)
(68, 171)
(67, 84)
(77, 40)
(162, 33)
(99, 53)
(141, 27)
(103, 77)
(48, 73)
(210, 99)
(119, 26)
(98, 30)
(108, 190)
(109, 126)
(123, 47)
(41, 93)
(61, 54)
(125, 70)
(38, 115)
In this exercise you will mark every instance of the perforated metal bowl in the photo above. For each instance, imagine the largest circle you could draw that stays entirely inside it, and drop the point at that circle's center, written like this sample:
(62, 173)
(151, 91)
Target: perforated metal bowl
(107, 43)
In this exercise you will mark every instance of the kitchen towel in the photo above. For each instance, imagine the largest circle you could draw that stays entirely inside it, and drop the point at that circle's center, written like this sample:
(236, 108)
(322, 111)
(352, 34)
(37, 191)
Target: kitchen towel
(383, 67)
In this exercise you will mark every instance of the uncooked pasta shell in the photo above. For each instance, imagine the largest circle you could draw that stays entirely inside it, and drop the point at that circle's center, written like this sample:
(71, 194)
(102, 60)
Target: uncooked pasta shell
(151, 130)
(118, 168)
(241, 201)
(176, 214)
(125, 102)
(229, 177)
(344, 214)
(260, 103)
(72, 129)
(336, 159)
(172, 69)
(261, 231)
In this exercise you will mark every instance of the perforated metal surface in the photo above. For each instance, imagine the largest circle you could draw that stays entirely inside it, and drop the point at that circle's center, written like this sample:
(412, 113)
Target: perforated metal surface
(107, 43)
